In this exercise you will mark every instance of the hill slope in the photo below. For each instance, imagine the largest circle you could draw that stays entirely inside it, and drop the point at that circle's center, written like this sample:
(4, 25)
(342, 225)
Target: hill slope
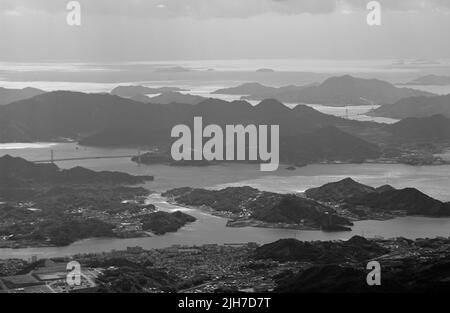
(430, 129)
(415, 107)
(11, 95)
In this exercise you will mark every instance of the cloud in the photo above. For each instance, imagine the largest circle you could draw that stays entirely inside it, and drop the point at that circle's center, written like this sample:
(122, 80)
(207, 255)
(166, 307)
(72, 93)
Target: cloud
(216, 8)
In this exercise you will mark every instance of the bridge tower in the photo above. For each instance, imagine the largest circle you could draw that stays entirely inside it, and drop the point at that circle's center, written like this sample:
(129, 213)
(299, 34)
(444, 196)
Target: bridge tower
(51, 156)
(139, 156)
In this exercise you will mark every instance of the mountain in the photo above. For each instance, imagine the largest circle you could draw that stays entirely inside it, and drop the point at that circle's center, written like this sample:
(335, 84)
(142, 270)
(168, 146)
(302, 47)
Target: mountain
(80, 115)
(339, 191)
(77, 115)
(131, 91)
(385, 198)
(430, 129)
(415, 107)
(411, 200)
(335, 91)
(326, 144)
(306, 135)
(176, 97)
(431, 80)
(10, 95)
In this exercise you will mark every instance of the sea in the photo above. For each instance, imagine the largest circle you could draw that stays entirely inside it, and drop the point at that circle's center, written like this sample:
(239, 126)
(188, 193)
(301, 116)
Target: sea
(202, 78)
(433, 180)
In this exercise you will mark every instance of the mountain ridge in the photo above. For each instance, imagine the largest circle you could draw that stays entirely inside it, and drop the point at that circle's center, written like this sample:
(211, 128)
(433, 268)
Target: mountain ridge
(334, 91)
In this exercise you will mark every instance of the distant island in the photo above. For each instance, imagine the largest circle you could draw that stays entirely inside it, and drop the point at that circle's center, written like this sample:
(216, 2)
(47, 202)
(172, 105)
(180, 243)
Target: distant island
(431, 80)
(173, 69)
(176, 97)
(133, 91)
(42, 205)
(169, 97)
(265, 70)
(335, 91)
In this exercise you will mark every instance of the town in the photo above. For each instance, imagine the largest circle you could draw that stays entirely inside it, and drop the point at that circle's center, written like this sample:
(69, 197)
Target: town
(282, 266)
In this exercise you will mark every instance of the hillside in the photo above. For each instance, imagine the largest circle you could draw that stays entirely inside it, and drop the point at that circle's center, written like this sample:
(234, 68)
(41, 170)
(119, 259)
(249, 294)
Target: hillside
(356, 249)
(383, 199)
(415, 107)
(11, 95)
(339, 191)
(429, 129)
(327, 144)
(161, 222)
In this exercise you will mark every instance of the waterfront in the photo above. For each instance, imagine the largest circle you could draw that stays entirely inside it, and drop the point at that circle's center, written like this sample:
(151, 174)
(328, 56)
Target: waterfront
(211, 229)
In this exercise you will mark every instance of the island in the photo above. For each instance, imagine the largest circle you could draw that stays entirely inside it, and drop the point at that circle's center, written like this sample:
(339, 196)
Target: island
(331, 207)
(42, 205)
(431, 80)
(247, 206)
(334, 91)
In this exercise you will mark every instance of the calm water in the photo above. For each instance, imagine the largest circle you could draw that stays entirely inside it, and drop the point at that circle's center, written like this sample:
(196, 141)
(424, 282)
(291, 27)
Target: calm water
(434, 181)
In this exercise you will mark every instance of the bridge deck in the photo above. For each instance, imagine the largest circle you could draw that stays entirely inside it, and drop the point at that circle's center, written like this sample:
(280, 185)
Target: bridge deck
(86, 158)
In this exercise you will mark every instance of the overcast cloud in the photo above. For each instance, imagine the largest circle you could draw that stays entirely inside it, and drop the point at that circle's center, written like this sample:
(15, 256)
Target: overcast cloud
(128, 30)
(215, 8)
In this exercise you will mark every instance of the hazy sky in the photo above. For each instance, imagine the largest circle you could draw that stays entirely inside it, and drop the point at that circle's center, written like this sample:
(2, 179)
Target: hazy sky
(138, 30)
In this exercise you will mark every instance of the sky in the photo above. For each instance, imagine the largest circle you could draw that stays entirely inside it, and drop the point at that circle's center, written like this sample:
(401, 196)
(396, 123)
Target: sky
(153, 30)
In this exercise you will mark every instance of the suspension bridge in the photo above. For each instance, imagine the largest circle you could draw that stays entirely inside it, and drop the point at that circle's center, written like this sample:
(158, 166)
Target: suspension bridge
(53, 159)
